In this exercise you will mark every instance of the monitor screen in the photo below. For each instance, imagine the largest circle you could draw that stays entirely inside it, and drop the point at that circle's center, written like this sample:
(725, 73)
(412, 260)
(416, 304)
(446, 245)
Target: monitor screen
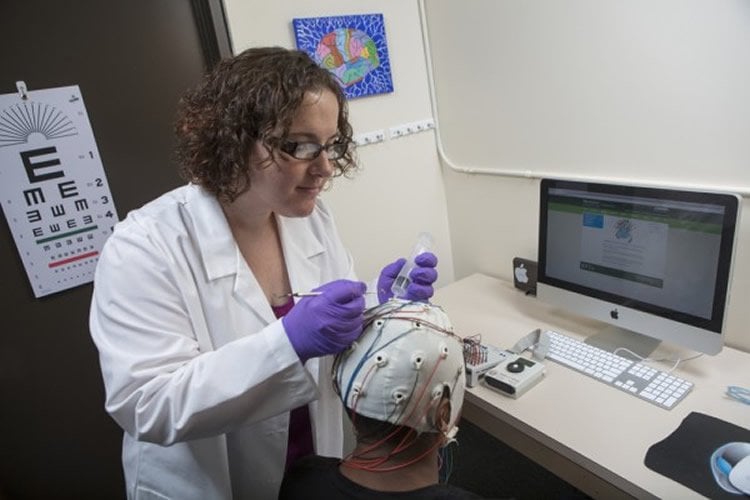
(651, 261)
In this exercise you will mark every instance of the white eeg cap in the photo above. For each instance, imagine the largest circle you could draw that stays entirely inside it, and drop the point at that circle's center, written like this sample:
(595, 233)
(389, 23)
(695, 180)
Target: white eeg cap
(397, 370)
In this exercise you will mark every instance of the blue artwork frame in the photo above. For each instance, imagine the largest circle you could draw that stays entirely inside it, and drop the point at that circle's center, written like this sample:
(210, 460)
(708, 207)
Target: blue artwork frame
(353, 48)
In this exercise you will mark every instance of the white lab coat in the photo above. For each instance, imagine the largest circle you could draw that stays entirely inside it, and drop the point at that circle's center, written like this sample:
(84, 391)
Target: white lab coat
(198, 371)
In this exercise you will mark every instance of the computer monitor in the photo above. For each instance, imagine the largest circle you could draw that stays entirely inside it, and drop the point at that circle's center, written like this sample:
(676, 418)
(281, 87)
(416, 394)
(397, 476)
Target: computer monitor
(653, 262)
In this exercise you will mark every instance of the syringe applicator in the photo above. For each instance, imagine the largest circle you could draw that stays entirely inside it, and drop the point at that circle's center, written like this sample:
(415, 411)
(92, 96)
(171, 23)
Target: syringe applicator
(401, 283)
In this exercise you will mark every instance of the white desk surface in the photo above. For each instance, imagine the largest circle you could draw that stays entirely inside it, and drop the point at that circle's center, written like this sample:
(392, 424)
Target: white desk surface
(590, 434)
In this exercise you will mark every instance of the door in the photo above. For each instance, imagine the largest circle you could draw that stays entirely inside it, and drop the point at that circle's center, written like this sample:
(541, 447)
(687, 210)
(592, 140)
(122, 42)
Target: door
(132, 60)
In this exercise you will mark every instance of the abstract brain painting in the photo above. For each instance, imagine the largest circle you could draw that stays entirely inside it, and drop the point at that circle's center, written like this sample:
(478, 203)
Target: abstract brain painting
(353, 48)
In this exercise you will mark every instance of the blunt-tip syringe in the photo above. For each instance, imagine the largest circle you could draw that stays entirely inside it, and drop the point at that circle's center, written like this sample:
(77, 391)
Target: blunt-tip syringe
(401, 283)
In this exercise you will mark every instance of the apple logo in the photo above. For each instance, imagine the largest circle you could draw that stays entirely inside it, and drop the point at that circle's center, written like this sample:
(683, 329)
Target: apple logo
(614, 314)
(521, 275)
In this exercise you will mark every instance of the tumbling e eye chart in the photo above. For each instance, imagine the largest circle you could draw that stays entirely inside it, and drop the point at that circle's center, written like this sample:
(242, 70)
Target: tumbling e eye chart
(53, 189)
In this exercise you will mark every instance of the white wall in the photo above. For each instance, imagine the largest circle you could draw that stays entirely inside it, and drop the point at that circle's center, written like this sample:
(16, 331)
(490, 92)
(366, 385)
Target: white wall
(400, 190)
(636, 88)
(653, 91)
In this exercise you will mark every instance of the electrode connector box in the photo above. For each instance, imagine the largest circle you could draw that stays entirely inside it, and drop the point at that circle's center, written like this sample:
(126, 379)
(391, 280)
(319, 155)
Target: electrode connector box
(481, 358)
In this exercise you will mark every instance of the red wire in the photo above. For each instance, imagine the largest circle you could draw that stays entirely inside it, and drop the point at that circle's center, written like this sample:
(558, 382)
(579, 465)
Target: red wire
(373, 464)
(375, 468)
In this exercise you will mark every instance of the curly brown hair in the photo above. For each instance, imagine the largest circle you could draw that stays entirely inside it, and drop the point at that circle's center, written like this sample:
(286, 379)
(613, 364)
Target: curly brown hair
(251, 97)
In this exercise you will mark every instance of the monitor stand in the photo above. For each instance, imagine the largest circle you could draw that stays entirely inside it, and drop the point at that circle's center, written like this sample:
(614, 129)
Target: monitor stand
(613, 337)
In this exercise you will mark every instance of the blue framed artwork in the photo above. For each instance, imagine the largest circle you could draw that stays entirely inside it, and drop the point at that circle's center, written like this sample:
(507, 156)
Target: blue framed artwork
(353, 48)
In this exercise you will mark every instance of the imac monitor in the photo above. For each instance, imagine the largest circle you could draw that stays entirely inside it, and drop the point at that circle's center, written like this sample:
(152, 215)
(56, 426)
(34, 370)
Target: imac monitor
(653, 262)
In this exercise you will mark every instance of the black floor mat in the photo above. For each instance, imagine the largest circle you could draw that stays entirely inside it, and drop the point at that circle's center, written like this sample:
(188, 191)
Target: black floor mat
(490, 468)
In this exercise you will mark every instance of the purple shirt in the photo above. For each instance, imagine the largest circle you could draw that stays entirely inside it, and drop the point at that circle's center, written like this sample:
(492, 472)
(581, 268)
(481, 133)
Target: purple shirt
(300, 431)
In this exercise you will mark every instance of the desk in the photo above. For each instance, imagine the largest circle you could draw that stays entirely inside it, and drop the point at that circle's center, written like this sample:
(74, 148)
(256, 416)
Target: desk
(586, 432)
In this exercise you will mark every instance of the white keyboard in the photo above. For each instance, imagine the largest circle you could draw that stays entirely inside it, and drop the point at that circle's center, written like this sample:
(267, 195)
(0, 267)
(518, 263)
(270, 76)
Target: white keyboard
(655, 386)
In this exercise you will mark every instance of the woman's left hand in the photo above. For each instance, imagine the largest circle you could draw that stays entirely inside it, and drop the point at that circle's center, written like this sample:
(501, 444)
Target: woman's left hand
(421, 278)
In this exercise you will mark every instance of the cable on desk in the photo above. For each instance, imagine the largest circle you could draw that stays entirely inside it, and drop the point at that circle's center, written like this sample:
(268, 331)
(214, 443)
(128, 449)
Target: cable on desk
(647, 359)
(739, 393)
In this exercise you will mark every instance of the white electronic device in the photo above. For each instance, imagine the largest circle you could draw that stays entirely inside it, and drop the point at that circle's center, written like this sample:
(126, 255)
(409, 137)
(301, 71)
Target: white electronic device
(480, 358)
(515, 375)
(653, 262)
(730, 465)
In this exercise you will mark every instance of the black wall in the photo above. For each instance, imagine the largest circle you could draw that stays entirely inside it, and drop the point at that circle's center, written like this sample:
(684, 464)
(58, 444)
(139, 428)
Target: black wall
(132, 60)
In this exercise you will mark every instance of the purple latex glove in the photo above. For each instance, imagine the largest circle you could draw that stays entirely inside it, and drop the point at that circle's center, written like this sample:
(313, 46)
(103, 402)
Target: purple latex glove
(327, 323)
(422, 277)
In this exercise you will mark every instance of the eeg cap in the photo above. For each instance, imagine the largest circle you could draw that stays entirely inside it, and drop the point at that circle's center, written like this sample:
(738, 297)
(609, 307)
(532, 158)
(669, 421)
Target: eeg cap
(397, 370)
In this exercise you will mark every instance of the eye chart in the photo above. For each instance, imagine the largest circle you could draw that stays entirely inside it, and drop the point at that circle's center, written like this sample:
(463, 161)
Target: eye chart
(53, 189)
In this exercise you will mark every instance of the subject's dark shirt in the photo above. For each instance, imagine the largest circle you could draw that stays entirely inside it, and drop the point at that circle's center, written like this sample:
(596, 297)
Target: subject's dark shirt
(316, 477)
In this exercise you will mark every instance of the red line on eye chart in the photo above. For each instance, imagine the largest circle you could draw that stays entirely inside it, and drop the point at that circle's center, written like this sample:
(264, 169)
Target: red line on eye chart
(72, 259)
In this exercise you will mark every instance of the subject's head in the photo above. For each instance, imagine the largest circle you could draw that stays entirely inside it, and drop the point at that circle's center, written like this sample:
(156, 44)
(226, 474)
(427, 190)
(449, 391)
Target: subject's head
(265, 111)
(407, 369)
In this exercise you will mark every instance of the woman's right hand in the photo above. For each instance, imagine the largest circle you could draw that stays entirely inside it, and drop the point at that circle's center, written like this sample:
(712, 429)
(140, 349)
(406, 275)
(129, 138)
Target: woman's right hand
(327, 323)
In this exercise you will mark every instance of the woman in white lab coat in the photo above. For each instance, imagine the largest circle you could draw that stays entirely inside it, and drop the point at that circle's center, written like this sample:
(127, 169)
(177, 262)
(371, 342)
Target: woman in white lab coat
(218, 377)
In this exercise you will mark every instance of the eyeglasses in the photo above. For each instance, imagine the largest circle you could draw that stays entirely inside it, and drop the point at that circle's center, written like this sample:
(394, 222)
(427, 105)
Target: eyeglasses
(311, 150)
